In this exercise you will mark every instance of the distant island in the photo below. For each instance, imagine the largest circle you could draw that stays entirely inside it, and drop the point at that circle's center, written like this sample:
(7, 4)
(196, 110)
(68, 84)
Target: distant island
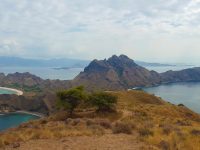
(148, 64)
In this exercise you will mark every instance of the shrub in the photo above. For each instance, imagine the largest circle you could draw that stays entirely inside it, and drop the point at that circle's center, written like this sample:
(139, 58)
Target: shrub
(145, 132)
(60, 116)
(167, 129)
(121, 127)
(70, 99)
(164, 145)
(195, 132)
(104, 123)
(183, 123)
(103, 101)
(101, 122)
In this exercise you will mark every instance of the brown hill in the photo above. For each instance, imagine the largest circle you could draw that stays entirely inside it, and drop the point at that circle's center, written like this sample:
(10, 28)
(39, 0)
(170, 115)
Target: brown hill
(120, 73)
(116, 73)
(186, 75)
(142, 121)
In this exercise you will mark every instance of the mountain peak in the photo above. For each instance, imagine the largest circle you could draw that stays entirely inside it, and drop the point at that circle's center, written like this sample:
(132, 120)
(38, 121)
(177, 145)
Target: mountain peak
(116, 72)
(121, 61)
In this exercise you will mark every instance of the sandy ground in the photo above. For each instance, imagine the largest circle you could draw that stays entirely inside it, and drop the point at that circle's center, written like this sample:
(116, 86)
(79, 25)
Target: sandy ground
(15, 90)
(105, 142)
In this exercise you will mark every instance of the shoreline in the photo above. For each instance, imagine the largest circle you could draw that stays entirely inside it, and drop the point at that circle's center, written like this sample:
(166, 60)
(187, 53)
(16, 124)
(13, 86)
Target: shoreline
(24, 112)
(18, 92)
(30, 113)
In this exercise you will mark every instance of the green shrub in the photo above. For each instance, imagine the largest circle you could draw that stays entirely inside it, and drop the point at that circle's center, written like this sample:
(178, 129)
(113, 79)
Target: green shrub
(103, 101)
(70, 99)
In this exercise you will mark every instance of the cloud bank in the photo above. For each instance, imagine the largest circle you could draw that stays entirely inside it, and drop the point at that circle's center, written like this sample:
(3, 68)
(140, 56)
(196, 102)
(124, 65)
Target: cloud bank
(156, 30)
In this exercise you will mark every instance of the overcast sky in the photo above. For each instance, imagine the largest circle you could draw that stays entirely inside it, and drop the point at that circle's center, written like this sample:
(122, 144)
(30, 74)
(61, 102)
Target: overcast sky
(149, 30)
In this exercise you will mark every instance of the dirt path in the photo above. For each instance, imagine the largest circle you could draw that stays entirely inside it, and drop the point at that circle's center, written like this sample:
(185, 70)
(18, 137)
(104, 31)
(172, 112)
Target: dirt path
(106, 142)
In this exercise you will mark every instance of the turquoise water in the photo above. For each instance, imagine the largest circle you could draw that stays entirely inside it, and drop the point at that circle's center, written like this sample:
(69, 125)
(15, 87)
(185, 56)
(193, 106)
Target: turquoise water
(13, 120)
(2, 91)
(179, 93)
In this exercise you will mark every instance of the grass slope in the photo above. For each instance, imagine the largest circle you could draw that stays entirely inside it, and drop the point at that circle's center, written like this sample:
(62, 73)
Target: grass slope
(142, 121)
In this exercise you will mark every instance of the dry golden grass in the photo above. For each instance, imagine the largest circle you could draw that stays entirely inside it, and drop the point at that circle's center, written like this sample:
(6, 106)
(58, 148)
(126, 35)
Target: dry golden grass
(160, 123)
(153, 121)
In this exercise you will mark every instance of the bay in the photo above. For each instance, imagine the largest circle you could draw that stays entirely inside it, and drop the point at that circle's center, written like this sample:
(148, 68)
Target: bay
(187, 93)
(10, 120)
(14, 119)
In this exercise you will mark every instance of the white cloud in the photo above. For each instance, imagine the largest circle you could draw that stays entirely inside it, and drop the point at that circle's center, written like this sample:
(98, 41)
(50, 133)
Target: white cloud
(156, 30)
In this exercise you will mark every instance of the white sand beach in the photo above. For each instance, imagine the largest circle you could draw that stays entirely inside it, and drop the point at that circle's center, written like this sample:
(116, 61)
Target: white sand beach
(18, 92)
(40, 115)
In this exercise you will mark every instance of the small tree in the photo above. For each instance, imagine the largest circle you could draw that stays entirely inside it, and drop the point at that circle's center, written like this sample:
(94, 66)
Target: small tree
(70, 99)
(103, 101)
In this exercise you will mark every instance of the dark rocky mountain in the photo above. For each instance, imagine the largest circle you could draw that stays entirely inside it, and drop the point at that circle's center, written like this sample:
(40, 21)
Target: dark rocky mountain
(116, 73)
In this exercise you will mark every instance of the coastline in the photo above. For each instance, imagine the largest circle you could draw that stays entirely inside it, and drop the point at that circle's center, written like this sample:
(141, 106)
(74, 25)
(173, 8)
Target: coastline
(24, 112)
(18, 92)
(30, 113)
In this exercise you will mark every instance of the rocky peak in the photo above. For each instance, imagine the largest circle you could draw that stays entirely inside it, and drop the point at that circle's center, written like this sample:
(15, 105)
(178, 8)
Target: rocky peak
(115, 62)
(97, 66)
(121, 61)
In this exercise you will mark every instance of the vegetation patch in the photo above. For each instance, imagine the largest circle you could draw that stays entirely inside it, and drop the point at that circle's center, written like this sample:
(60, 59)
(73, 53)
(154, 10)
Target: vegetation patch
(121, 127)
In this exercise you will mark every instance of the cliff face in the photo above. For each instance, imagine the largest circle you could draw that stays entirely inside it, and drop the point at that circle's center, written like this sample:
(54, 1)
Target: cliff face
(42, 103)
(116, 73)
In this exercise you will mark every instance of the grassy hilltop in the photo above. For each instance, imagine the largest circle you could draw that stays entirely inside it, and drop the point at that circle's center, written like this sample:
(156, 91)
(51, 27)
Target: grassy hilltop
(141, 121)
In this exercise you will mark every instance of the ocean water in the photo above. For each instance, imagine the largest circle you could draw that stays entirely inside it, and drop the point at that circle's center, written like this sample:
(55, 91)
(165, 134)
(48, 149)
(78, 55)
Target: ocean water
(179, 93)
(3, 91)
(13, 120)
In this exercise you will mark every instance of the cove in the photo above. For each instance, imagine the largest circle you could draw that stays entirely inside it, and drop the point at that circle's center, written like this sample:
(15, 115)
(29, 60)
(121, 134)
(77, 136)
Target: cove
(9, 120)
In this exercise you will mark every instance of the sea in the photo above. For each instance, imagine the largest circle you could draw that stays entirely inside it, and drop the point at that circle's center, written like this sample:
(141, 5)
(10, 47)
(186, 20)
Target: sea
(14, 119)
(177, 93)
(45, 72)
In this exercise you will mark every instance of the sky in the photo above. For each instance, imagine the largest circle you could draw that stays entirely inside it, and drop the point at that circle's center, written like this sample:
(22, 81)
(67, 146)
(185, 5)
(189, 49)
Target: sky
(148, 30)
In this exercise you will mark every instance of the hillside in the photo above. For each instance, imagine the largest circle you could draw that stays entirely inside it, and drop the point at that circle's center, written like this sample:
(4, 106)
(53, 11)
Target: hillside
(142, 121)
(115, 73)
(121, 73)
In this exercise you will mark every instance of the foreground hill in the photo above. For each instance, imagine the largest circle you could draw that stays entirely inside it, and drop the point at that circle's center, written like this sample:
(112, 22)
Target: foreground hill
(142, 121)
